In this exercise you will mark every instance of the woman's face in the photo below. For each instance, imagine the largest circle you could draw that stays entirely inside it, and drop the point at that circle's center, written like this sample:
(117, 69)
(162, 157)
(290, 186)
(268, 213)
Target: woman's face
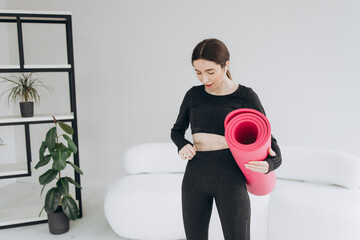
(209, 73)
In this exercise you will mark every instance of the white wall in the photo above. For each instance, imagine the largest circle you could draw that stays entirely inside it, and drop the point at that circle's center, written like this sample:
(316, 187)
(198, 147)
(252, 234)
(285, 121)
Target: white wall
(132, 64)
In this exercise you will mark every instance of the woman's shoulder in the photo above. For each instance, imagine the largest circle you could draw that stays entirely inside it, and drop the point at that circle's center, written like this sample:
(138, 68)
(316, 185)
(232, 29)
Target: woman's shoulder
(194, 90)
(245, 88)
(197, 87)
(247, 91)
(190, 93)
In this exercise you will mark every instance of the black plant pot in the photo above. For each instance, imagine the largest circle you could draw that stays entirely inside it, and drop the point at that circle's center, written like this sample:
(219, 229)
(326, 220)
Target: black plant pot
(58, 222)
(27, 109)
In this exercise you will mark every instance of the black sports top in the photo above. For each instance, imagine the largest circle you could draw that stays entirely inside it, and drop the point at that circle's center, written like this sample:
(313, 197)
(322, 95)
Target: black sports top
(206, 113)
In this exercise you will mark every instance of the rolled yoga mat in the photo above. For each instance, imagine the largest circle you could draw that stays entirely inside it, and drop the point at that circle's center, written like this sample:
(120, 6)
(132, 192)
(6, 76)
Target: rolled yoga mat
(248, 135)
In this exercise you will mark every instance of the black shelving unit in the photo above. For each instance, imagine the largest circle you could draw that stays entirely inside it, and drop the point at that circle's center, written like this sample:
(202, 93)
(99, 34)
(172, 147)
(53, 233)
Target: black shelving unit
(24, 17)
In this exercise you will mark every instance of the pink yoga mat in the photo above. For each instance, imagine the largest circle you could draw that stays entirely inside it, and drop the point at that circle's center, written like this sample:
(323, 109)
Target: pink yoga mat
(248, 135)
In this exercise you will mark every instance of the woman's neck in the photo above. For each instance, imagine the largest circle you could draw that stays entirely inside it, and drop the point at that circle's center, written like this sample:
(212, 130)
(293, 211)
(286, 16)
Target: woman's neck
(227, 87)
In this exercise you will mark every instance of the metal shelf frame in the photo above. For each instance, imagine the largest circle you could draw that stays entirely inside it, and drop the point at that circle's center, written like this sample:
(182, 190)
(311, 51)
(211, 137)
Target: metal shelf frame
(20, 18)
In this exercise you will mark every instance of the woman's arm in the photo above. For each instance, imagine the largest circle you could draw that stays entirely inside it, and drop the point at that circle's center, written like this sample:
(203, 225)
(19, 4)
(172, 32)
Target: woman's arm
(182, 123)
(274, 161)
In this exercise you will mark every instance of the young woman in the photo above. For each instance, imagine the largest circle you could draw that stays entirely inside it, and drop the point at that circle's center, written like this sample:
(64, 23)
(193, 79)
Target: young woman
(212, 172)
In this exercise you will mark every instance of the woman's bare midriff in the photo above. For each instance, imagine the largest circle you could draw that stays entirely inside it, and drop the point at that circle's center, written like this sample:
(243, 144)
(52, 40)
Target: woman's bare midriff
(209, 141)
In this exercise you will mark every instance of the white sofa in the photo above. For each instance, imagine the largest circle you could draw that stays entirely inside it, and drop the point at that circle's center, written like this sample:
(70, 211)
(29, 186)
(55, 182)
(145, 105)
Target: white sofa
(316, 197)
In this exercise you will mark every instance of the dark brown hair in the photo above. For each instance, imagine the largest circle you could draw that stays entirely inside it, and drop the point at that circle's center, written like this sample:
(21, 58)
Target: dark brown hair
(214, 50)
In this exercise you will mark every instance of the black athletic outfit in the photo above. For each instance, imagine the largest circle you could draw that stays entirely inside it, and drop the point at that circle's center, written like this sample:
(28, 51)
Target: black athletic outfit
(215, 174)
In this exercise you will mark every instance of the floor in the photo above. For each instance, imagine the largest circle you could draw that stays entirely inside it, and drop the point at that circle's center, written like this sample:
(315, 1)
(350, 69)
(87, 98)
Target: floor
(92, 225)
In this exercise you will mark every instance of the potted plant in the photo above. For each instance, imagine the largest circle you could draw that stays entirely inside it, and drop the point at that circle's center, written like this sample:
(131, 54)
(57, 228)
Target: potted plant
(59, 204)
(23, 88)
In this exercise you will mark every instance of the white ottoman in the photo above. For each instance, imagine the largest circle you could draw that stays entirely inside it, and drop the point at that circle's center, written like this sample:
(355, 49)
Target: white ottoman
(146, 206)
(314, 211)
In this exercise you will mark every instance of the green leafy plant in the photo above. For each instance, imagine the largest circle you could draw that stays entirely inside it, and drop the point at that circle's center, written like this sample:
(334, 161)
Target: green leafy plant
(59, 153)
(23, 88)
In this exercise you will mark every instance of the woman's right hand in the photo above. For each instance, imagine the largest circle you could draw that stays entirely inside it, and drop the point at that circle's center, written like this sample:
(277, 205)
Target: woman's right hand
(187, 152)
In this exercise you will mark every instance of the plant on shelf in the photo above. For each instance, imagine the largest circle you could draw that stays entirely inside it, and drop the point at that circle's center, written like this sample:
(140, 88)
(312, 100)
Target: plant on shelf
(24, 88)
(58, 200)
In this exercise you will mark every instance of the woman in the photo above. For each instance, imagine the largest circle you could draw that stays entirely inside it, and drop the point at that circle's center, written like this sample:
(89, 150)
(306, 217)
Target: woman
(212, 172)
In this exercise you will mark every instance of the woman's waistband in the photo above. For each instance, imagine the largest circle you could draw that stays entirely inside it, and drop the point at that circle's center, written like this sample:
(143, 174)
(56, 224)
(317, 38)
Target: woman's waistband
(213, 162)
(213, 154)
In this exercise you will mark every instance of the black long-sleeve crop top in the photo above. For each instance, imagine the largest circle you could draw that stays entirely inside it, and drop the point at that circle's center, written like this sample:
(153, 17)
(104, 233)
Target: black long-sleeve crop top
(206, 113)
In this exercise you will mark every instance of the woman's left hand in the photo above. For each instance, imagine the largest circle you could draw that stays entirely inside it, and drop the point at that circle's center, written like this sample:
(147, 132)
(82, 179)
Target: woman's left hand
(260, 166)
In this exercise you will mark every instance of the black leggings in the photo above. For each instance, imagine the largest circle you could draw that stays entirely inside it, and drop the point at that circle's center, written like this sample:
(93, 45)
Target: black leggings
(215, 174)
